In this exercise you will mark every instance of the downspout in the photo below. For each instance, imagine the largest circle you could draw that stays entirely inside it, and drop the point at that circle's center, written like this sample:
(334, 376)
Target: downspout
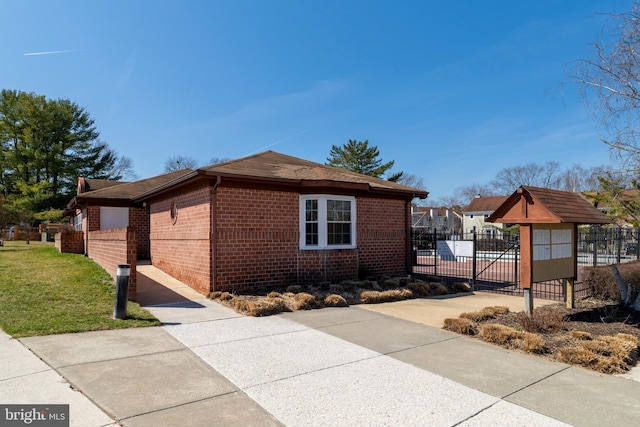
(214, 234)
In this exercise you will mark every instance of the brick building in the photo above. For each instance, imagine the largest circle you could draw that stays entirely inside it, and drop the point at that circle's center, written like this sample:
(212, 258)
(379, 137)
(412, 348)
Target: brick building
(263, 220)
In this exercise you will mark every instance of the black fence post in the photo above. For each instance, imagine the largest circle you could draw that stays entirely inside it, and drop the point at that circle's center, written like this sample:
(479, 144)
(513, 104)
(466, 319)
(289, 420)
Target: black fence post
(435, 251)
(475, 259)
(619, 244)
(596, 232)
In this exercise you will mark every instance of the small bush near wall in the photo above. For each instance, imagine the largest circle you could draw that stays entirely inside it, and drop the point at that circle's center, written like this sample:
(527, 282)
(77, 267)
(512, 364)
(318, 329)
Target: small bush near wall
(264, 302)
(603, 284)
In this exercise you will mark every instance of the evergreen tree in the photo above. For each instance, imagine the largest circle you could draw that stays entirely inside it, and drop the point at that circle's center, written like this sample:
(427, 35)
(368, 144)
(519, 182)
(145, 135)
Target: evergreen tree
(45, 145)
(357, 156)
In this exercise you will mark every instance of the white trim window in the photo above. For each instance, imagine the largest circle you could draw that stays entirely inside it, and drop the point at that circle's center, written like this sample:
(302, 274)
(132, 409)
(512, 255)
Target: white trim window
(327, 222)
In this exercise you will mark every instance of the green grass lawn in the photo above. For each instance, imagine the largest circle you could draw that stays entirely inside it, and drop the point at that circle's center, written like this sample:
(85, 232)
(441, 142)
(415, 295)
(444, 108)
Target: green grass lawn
(44, 292)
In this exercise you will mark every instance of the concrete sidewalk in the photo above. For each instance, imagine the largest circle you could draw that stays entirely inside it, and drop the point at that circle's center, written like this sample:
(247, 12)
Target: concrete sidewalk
(339, 366)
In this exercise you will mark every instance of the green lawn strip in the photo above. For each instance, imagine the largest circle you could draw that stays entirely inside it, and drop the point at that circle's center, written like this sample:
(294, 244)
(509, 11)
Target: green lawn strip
(44, 292)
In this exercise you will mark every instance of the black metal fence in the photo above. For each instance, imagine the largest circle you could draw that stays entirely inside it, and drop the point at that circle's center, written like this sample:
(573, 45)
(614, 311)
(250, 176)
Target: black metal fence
(490, 262)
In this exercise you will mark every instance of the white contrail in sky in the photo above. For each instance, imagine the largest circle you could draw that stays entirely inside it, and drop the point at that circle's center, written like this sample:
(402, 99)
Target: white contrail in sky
(51, 52)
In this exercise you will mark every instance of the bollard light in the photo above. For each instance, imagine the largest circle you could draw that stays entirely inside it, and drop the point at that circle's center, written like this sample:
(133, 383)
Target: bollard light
(122, 291)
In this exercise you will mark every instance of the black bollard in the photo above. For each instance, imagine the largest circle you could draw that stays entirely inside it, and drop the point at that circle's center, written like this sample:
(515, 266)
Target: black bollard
(122, 291)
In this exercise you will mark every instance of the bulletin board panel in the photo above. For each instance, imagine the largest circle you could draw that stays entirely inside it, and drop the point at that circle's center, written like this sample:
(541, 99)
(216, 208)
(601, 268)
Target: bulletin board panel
(553, 251)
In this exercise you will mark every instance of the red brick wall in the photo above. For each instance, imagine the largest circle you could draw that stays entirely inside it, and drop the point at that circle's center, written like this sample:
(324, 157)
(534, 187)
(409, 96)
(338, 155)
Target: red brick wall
(183, 249)
(108, 248)
(257, 237)
(70, 242)
(329, 265)
(257, 240)
(382, 238)
(139, 220)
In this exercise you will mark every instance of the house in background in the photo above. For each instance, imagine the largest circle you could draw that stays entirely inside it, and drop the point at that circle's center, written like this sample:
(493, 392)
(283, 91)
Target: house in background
(263, 220)
(474, 216)
(443, 220)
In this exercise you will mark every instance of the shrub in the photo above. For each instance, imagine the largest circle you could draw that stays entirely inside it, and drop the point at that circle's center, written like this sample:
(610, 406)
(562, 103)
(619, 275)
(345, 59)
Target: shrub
(391, 283)
(496, 334)
(531, 343)
(274, 294)
(419, 288)
(462, 287)
(262, 307)
(607, 354)
(485, 314)
(438, 288)
(336, 289)
(540, 321)
(294, 289)
(335, 300)
(304, 301)
(225, 296)
(214, 295)
(602, 283)
(507, 337)
(461, 326)
(580, 335)
(375, 297)
(577, 356)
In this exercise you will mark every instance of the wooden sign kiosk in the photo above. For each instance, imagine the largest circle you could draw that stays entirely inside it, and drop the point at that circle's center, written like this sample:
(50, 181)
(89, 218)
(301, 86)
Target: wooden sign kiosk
(548, 222)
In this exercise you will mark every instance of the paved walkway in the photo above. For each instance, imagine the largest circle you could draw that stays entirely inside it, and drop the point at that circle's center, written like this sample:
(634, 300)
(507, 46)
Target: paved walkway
(343, 366)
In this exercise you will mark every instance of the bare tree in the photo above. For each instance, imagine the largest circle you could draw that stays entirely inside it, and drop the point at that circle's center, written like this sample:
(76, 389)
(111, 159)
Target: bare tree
(577, 179)
(176, 163)
(509, 179)
(610, 81)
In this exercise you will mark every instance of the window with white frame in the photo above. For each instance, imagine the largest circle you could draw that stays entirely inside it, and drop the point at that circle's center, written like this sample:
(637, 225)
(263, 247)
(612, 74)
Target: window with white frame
(327, 222)
(77, 222)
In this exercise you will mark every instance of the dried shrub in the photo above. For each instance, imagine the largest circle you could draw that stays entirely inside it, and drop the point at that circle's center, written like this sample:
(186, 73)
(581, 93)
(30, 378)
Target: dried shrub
(602, 283)
(507, 337)
(391, 283)
(294, 289)
(577, 356)
(406, 293)
(485, 314)
(580, 335)
(336, 289)
(274, 294)
(214, 295)
(462, 287)
(304, 301)
(496, 334)
(531, 343)
(335, 300)
(438, 288)
(420, 289)
(375, 297)
(262, 307)
(606, 354)
(225, 296)
(370, 284)
(540, 321)
(461, 326)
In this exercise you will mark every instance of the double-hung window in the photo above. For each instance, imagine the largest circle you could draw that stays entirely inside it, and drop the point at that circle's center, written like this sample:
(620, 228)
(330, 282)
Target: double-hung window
(327, 222)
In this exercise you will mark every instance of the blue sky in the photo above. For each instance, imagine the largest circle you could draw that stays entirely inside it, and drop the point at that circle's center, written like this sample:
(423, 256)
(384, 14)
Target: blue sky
(453, 91)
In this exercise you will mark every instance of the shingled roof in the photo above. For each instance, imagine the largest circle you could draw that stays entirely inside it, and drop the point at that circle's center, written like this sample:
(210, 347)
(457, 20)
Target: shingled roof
(275, 168)
(542, 205)
(272, 165)
(124, 191)
(268, 167)
(485, 204)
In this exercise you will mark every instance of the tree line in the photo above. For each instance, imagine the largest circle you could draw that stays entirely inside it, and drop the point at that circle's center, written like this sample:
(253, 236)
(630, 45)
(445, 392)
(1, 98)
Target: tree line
(45, 144)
